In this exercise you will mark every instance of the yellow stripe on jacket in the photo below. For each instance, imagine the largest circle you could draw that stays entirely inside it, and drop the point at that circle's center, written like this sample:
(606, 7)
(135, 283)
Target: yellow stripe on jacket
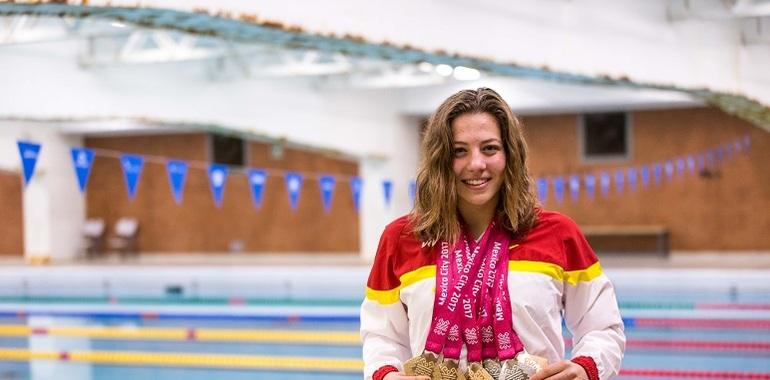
(387, 297)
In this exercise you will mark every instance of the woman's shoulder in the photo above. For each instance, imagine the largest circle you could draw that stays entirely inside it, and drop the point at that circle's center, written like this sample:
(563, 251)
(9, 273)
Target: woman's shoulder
(398, 254)
(398, 225)
(556, 223)
(559, 240)
(401, 229)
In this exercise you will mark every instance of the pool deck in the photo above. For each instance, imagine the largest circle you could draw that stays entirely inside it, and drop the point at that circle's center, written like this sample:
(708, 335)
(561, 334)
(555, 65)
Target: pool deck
(677, 259)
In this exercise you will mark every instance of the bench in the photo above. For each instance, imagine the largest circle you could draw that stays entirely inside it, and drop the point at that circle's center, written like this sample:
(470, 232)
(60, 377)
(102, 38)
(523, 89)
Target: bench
(628, 238)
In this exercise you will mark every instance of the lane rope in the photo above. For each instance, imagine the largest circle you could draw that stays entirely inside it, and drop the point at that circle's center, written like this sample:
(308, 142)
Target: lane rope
(293, 364)
(694, 374)
(183, 359)
(311, 337)
(189, 334)
(729, 323)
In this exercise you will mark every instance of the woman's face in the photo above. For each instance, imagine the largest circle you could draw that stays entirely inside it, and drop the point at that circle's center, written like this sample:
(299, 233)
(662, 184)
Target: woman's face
(479, 159)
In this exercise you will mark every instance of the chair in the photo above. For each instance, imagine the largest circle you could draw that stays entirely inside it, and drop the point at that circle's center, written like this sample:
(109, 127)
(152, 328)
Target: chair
(93, 237)
(125, 237)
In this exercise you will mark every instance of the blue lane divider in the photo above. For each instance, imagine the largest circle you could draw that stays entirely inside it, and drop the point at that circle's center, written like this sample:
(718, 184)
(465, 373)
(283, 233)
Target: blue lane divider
(176, 316)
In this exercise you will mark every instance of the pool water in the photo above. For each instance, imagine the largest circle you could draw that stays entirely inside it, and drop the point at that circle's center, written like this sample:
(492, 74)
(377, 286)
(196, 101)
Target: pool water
(674, 331)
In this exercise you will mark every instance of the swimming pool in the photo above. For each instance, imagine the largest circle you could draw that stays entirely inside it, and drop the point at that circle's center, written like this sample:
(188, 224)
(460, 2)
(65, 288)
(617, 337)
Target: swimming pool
(690, 324)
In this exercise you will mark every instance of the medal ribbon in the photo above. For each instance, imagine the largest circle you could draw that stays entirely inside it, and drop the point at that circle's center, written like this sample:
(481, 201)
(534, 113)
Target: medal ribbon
(482, 310)
(469, 322)
(507, 341)
(486, 302)
(451, 282)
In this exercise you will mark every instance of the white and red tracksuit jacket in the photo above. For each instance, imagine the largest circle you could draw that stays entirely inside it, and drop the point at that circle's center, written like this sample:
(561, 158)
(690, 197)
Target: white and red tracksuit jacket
(553, 274)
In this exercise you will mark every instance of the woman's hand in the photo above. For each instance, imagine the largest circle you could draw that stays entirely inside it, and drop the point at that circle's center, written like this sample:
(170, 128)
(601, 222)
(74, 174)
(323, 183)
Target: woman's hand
(401, 376)
(562, 370)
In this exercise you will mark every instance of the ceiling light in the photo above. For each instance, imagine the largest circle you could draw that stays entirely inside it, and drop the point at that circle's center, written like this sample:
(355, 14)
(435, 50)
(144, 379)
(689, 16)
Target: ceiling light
(444, 70)
(466, 73)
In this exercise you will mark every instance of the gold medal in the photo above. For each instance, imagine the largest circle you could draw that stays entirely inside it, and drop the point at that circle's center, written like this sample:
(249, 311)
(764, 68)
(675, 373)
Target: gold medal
(476, 371)
(448, 369)
(493, 367)
(510, 370)
(531, 363)
(424, 364)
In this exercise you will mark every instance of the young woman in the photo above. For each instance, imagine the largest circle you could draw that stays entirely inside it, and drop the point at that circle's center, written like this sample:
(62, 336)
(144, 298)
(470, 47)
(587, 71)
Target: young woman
(475, 281)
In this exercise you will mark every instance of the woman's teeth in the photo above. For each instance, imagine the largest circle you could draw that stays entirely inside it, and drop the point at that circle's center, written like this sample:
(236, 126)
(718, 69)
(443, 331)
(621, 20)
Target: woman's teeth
(475, 182)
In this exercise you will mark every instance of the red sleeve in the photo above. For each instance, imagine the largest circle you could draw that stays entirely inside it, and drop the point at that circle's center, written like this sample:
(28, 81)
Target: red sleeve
(383, 275)
(588, 365)
(578, 254)
(384, 370)
(399, 252)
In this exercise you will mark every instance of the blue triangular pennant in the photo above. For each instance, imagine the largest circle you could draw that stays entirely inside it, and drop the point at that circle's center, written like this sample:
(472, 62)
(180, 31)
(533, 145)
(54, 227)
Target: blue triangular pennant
(177, 175)
(644, 173)
(657, 173)
(28, 152)
(631, 174)
(132, 170)
(558, 189)
(590, 182)
(719, 154)
(356, 185)
(574, 187)
(700, 161)
(668, 167)
(604, 183)
(619, 179)
(387, 191)
(217, 180)
(710, 160)
(82, 160)
(542, 189)
(257, 181)
(729, 151)
(412, 190)
(326, 183)
(680, 165)
(691, 164)
(293, 182)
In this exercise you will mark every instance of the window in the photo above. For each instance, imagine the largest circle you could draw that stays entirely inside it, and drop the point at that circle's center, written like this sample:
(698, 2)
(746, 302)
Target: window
(227, 150)
(605, 136)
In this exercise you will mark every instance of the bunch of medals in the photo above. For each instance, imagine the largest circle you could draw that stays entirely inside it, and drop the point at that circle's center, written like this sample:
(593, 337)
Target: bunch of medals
(472, 306)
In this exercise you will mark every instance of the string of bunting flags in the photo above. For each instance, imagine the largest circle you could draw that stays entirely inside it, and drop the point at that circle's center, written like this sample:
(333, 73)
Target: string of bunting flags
(630, 177)
(177, 171)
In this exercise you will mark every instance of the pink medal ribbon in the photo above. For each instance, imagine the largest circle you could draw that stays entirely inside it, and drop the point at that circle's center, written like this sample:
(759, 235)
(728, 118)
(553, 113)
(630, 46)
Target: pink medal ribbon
(508, 342)
(486, 304)
(470, 326)
(480, 314)
(451, 283)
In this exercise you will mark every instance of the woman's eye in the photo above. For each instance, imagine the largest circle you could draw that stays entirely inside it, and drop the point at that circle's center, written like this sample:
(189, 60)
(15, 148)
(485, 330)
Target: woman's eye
(491, 148)
(459, 151)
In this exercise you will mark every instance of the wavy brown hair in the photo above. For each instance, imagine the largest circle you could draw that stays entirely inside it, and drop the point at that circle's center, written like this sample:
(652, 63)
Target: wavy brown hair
(435, 215)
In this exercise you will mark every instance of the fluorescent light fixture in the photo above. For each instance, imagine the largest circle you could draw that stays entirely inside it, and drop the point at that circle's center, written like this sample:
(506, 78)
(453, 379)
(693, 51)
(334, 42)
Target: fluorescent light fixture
(444, 70)
(466, 73)
(425, 67)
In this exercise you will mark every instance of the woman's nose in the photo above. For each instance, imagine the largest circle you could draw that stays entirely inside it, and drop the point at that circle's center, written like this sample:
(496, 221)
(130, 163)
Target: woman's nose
(477, 161)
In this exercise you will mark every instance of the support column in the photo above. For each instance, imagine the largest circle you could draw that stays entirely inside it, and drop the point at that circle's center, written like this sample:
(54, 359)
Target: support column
(53, 208)
(399, 166)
